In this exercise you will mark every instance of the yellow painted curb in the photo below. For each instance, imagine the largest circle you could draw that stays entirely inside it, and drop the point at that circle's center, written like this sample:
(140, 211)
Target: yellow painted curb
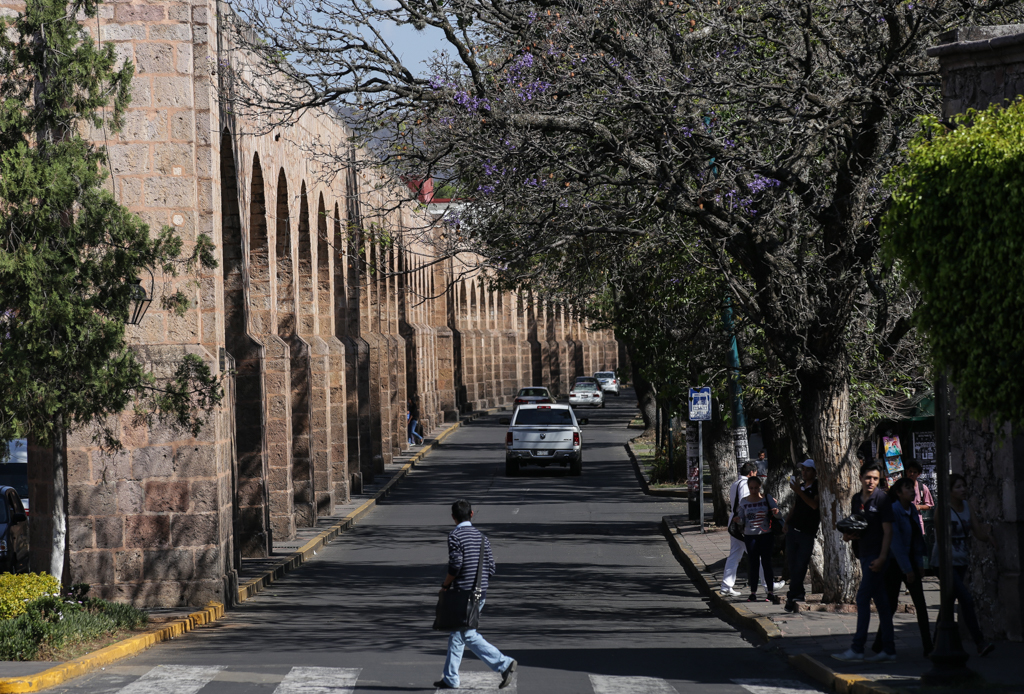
(121, 649)
(835, 681)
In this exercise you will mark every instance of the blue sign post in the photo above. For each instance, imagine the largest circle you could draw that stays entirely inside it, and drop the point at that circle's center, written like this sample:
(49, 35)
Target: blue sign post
(700, 412)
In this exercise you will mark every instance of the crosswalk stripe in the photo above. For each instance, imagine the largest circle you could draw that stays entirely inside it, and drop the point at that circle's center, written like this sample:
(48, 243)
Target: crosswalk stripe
(774, 686)
(173, 679)
(609, 684)
(480, 682)
(319, 680)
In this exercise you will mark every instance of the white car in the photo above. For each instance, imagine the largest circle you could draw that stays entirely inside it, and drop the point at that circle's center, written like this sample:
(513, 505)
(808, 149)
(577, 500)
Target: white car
(586, 394)
(609, 382)
(532, 395)
(543, 435)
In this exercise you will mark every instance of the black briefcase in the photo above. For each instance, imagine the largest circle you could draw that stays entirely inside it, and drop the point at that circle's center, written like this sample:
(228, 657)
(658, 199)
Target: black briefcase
(459, 609)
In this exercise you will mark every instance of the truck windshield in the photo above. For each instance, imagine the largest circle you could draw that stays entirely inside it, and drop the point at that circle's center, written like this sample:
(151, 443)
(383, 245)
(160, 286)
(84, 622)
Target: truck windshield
(545, 416)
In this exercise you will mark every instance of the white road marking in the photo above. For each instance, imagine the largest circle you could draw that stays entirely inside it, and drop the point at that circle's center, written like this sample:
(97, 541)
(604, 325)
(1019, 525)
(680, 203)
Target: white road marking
(608, 684)
(479, 682)
(319, 680)
(173, 679)
(515, 512)
(774, 686)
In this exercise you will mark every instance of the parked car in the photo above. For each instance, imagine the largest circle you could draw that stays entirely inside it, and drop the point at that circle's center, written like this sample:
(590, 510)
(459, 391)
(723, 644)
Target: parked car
(13, 531)
(609, 383)
(14, 471)
(543, 435)
(586, 394)
(534, 395)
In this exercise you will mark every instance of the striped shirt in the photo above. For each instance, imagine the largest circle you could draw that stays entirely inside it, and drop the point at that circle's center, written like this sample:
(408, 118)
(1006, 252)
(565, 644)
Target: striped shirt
(464, 554)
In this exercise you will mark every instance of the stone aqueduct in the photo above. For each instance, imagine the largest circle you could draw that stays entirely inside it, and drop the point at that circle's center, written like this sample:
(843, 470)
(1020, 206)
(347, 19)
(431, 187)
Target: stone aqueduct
(328, 334)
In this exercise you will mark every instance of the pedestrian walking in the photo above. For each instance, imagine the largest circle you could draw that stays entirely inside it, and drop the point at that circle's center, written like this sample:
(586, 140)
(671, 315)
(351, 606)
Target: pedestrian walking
(413, 423)
(463, 556)
(737, 492)
(801, 529)
(754, 515)
(871, 547)
(961, 524)
(907, 552)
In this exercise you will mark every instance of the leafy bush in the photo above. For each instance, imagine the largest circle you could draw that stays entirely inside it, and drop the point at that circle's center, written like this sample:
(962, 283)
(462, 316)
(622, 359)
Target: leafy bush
(17, 590)
(59, 621)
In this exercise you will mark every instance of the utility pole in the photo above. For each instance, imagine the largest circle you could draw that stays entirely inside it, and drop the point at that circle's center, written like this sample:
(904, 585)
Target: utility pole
(949, 659)
(739, 420)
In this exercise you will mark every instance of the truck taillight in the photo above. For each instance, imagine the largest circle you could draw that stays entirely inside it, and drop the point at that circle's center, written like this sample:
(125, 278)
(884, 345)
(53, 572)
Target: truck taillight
(508, 439)
(614, 381)
(575, 438)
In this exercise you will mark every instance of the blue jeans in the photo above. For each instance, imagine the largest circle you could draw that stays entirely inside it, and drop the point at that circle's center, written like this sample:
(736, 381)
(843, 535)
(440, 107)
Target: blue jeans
(458, 640)
(872, 587)
(799, 547)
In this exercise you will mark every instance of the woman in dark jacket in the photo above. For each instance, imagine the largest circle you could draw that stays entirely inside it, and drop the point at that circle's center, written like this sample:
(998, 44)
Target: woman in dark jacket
(907, 549)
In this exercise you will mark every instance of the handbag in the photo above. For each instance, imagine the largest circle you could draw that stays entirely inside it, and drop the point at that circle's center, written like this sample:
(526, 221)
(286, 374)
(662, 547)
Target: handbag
(852, 524)
(459, 609)
(734, 528)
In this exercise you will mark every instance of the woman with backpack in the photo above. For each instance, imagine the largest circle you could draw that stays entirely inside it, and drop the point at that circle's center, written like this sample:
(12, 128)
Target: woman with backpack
(754, 516)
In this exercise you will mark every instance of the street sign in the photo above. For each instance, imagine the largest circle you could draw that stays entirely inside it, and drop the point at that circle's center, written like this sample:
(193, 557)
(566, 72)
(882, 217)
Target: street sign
(700, 404)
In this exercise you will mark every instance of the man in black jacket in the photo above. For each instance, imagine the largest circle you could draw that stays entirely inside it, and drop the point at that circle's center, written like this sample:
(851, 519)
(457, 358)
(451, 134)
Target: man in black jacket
(463, 556)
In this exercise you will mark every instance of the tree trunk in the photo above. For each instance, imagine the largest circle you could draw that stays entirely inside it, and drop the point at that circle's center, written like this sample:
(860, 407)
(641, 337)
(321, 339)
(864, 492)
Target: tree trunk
(720, 453)
(59, 515)
(646, 395)
(781, 464)
(826, 407)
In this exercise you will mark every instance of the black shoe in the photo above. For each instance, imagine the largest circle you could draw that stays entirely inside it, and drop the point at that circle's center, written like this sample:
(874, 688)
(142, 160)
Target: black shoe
(441, 684)
(790, 606)
(985, 648)
(508, 675)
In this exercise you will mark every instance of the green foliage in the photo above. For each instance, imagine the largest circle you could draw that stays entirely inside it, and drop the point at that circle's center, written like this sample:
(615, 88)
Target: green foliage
(69, 253)
(59, 621)
(955, 227)
(17, 590)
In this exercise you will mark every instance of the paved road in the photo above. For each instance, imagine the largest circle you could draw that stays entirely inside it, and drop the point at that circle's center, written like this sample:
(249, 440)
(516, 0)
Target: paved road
(588, 597)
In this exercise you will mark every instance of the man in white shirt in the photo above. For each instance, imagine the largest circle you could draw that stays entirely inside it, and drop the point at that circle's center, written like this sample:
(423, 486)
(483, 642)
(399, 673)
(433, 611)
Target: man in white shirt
(737, 491)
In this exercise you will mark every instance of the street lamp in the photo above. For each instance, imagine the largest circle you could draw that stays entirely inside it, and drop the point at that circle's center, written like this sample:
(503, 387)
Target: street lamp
(141, 299)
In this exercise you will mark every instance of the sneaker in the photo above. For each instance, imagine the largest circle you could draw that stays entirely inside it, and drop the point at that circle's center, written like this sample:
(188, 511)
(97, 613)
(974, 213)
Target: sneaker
(731, 593)
(508, 675)
(790, 606)
(778, 585)
(753, 598)
(442, 684)
(985, 648)
(881, 658)
(849, 655)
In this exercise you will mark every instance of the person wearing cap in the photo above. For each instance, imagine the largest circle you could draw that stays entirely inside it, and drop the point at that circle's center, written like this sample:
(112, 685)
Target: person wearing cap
(801, 529)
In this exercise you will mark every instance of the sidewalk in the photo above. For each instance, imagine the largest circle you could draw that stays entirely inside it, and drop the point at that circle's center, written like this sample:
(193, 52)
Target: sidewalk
(817, 634)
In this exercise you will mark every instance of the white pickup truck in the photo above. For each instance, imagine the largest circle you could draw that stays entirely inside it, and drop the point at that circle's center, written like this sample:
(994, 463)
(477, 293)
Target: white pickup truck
(543, 435)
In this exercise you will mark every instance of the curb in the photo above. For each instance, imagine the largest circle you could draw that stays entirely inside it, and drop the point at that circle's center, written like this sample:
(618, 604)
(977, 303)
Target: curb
(215, 610)
(672, 493)
(835, 681)
(736, 614)
(121, 649)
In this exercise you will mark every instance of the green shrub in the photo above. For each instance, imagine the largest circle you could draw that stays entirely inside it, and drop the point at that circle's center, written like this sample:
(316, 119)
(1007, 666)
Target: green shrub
(58, 622)
(17, 590)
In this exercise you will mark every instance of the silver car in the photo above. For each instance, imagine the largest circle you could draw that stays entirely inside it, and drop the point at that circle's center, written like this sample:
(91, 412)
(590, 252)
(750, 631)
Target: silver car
(586, 394)
(609, 382)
